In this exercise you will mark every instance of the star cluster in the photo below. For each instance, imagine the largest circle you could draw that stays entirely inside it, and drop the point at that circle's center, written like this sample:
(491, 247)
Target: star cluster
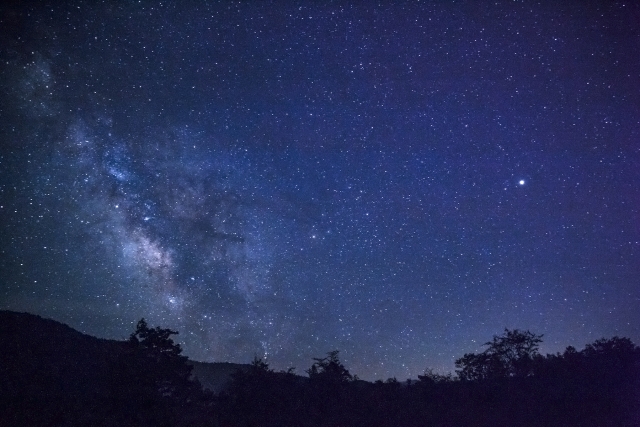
(399, 182)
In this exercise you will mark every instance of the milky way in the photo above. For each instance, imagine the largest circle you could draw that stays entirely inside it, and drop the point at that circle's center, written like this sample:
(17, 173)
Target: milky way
(396, 182)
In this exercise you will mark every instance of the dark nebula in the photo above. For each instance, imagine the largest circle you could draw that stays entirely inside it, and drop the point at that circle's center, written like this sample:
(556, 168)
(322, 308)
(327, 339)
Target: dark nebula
(281, 179)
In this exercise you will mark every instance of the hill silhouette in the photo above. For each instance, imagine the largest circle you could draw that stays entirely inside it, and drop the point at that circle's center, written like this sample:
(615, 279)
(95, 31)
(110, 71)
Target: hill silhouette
(53, 375)
(47, 367)
(70, 361)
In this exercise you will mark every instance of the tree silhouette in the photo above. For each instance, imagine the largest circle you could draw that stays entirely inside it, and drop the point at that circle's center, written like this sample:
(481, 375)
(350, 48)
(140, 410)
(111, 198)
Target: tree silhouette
(162, 361)
(616, 347)
(508, 355)
(432, 377)
(56, 376)
(329, 370)
(329, 386)
(151, 380)
(259, 396)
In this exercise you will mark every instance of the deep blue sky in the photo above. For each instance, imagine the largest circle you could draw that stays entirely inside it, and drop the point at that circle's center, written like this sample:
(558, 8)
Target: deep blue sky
(283, 179)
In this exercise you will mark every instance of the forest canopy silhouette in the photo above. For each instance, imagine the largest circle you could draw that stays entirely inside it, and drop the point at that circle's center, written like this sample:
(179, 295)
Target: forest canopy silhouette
(53, 375)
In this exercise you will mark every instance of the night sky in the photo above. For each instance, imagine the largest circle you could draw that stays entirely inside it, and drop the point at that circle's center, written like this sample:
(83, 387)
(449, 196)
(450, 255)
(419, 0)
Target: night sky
(283, 179)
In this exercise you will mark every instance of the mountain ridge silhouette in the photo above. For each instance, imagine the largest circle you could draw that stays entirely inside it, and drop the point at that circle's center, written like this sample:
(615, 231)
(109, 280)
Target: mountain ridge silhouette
(58, 358)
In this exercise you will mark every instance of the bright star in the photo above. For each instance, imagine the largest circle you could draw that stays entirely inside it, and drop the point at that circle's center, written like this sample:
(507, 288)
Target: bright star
(521, 182)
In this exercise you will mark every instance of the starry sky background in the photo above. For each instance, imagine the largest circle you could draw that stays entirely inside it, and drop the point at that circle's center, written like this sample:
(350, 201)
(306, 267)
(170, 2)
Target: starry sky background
(281, 179)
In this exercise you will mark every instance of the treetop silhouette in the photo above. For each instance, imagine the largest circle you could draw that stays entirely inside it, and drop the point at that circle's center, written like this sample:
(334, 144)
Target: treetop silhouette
(329, 369)
(508, 355)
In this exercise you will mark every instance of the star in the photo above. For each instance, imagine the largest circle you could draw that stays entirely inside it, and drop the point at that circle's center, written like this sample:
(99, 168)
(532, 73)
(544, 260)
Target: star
(323, 184)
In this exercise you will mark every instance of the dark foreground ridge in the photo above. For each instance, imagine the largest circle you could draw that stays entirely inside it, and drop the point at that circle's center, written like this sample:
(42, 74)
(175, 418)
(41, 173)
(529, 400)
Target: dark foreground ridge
(52, 375)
